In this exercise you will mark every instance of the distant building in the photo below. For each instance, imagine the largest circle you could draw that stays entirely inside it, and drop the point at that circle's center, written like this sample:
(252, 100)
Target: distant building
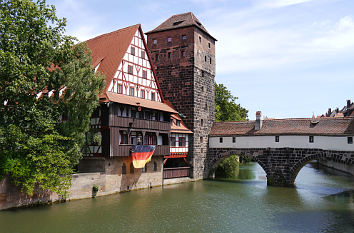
(347, 110)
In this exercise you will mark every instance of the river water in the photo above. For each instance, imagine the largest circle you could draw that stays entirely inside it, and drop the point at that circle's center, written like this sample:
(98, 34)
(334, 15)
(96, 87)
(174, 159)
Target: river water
(321, 202)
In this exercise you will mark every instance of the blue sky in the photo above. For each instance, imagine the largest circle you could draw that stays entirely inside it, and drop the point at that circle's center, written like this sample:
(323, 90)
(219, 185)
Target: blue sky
(287, 58)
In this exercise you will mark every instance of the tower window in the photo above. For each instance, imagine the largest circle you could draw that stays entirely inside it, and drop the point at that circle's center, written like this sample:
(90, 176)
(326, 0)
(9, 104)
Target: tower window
(276, 138)
(209, 45)
(143, 54)
(169, 55)
(145, 74)
(210, 60)
(156, 57)
(155, 41)
(205, 58)
(200, 39)
(311, 139)
(130, 69)
(350, 140)
(169, 39)
(201, 122)
(182, 54)
(202, 88)
(132, 50)
(120, 89)
(184, 37)
(201, 139)
(202, 73)
(221, 140)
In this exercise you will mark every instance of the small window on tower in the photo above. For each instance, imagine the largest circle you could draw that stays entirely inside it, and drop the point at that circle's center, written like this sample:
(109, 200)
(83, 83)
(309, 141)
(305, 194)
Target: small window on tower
(200, 39)
(209, 45)
(130, 69)
(131, 91)
(184, 37)
(201, 139)
(202, 73)
(120, 89)
(201, 122)
(169, 55)
(205, 58)
(142, 94)
(169, 39)
(210, 60)
(153, 96)
(182, 53)
(145, 74)
(132, 50)
(155, 41)
(156, 57)
(143, 54)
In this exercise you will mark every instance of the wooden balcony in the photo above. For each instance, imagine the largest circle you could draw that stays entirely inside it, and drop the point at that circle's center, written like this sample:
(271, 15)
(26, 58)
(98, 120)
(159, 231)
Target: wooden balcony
(124, 150)
(177, 172)
(140, 123)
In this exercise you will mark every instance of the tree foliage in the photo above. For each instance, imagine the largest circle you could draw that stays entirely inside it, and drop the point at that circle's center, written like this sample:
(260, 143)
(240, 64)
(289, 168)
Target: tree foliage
(38, 147)
(228, 168)
(226, 109)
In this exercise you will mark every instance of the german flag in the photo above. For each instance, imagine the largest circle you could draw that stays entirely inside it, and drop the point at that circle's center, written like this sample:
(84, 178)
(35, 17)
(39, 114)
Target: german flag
(141, 155)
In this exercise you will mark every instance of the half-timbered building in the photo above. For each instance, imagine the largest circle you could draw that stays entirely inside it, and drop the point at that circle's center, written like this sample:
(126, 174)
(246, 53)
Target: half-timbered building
(132, 111)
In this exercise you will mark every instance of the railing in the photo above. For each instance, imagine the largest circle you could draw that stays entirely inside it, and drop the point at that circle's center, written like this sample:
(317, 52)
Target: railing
(176, 172)
(124, 150)
(140, 123)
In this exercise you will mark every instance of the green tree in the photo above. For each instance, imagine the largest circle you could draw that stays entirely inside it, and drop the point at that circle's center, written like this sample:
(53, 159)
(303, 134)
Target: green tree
(226, 109)
(38, 147)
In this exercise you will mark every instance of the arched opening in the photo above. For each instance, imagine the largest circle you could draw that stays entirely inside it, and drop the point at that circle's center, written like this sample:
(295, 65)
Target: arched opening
(297, 167)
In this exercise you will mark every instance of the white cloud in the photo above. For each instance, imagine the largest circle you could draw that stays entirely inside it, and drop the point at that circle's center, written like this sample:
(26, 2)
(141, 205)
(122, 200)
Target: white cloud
(280, 3)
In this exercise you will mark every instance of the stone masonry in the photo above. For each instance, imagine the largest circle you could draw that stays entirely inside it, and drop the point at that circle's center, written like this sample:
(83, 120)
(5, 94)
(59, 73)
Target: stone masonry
(185, 68)
(280, 164)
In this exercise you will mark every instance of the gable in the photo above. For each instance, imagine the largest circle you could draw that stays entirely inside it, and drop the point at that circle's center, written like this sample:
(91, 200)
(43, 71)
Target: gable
(134, 75)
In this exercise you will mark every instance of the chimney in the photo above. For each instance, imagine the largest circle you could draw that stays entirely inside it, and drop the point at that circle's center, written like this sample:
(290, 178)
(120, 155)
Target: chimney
(348, 103)
(259, 120)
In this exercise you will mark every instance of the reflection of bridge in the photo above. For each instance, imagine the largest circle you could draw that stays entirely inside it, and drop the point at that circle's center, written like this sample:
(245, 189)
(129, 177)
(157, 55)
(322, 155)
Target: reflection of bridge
(282, 147)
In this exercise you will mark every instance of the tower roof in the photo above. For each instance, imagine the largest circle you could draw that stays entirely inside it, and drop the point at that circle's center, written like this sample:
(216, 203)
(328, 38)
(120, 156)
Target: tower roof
(179, 21)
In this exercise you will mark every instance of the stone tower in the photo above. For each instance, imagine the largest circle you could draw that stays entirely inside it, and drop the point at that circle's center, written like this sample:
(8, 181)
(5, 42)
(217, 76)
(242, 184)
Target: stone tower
(183, 53)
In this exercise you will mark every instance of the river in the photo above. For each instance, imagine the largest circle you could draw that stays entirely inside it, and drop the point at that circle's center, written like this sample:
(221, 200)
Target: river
(322, 201)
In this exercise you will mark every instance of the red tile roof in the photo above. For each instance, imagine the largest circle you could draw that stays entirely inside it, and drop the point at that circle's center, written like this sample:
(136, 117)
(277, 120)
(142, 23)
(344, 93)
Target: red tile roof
(182, 128)
(109, 49)
(301, 126)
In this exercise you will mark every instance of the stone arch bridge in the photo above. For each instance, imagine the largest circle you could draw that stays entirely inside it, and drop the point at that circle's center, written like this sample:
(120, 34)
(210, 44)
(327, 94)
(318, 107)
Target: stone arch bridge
(282, 146)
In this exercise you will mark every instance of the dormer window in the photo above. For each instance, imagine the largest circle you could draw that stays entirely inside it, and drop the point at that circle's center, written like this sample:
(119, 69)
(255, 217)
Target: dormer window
(178, 122)
(178, 22)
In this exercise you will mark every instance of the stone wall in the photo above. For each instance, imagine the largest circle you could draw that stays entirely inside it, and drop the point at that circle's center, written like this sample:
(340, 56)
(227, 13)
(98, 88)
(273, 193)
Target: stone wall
(108, 182)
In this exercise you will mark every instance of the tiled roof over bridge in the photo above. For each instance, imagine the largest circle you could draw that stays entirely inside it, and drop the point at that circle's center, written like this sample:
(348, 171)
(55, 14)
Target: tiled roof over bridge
(299, 126)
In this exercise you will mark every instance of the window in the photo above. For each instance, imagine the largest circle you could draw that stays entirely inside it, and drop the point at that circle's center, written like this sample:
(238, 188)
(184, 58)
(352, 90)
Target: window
(205, 58)
(130, 69)
(132, 50)
(209, 45)
(133, 111)
(350, 140)
(156, 57)
(152, 96)
(153, 116)
(143, 54)
(202, 88)
(276, 138)
(173, 141)
(124, 169)
(200, 39)
(311, 139)
(169, 39)
(181, 141)
(233, 139)
(202, 73)
(145, 74)
(210, 60)
(201, 122)
(131, 91)
(150, 139)
(123, 137)
(142, 94)
(169, 55)
(220, 140)
(155, 41)
(184, 37)
(178, 122)
(182, 53)
(131, 168)
(155, 166)
(120, 89)
(201, 139)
